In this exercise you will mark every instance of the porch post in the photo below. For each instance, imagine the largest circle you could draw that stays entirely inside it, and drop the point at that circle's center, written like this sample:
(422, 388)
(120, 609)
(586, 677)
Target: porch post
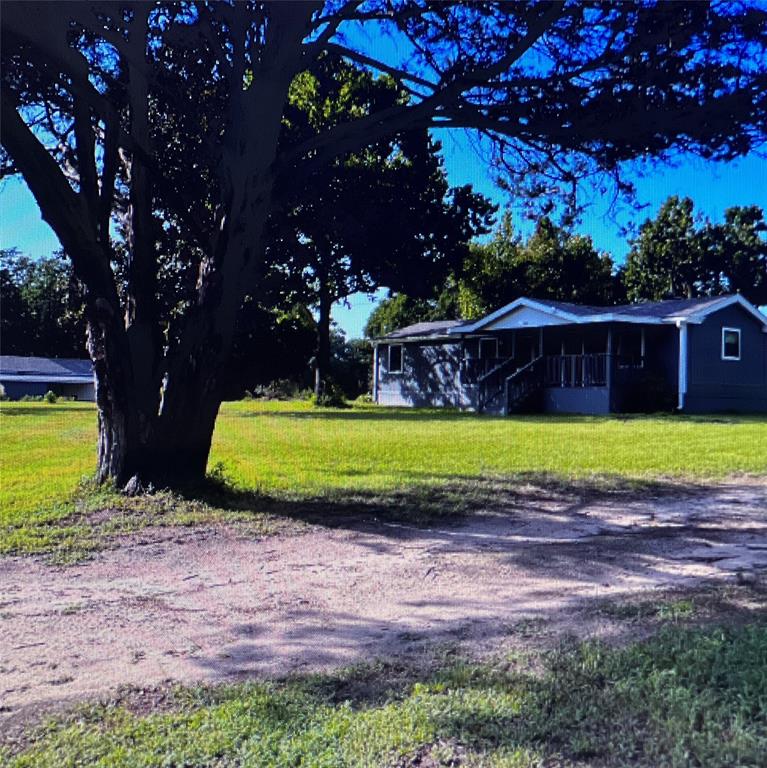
(682, 363)
(609, 370)
(562, 364)
(375, 373)
(540, 341)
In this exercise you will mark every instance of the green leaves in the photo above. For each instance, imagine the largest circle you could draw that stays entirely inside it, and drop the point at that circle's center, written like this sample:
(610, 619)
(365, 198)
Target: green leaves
(678, 254)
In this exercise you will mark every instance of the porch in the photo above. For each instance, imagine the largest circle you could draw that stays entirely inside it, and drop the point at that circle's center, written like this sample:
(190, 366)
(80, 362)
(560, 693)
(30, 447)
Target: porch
(538, 370)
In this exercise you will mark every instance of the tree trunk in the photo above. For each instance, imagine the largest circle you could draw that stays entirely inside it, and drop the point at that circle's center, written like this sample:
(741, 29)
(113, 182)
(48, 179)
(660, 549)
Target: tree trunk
(167, 449)
(174, 457)
(322, 359)
(156, 430)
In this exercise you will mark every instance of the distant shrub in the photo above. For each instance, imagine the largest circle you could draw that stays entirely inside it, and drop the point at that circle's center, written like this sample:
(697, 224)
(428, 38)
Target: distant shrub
(281, 389)
(364, 399)
(332, 397)
(3, 396)
(50, 397)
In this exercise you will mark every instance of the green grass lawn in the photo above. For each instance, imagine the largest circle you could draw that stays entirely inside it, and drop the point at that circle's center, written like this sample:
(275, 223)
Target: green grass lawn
(684, 698)
(279, 448)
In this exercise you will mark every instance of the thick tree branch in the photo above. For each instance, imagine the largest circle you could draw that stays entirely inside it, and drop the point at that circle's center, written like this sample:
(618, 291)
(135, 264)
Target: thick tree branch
(402, 76)
(447, 94)
(60, 205)
(85, 140)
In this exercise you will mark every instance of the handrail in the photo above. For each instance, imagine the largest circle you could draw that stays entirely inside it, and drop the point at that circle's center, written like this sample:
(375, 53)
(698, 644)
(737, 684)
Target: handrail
(495, 371)
(521, 370)
(526, 380)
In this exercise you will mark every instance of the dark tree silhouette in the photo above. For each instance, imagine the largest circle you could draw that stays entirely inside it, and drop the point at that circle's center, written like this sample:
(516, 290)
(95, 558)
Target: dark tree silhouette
(106, 105)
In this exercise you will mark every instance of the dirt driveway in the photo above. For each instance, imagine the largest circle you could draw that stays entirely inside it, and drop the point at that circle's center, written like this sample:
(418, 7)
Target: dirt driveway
(210, 605)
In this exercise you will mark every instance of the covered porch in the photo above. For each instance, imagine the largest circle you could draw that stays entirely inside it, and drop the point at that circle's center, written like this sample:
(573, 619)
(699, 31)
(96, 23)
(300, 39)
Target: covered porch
(568, 368)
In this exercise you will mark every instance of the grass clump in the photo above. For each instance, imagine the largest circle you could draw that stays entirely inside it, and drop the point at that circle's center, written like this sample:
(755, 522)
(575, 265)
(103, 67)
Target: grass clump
(681, 699)
(672, 610)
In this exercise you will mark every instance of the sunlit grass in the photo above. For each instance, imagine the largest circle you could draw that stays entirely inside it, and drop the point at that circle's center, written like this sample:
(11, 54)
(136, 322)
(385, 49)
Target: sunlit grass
(277, 448)
(295, 446)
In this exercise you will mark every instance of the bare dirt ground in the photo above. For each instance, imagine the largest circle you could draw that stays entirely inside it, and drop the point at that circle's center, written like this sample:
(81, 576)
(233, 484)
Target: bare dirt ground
(211, 605)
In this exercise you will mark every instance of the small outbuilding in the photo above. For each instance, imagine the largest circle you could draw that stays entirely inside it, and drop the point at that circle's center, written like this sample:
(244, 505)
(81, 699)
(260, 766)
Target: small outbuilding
(34, 376)
(693, 355)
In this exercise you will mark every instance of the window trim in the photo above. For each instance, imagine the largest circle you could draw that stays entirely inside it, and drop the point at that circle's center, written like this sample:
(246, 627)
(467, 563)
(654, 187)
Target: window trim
(401, 359)
(733, 358)
(479, 346)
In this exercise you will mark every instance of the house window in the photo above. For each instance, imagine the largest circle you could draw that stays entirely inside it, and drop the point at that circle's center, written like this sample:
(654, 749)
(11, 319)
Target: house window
(730, 343)
(395, 358)
(488, 347)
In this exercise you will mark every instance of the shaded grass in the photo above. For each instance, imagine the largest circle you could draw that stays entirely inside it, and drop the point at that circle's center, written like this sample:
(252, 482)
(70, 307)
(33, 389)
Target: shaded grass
(276, 454)
(687, 697)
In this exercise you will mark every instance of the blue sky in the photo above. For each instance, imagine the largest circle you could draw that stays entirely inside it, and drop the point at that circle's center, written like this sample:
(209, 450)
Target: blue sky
(713, 186)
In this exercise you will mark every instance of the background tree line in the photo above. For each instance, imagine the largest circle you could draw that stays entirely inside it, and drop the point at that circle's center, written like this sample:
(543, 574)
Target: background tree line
(675, 254)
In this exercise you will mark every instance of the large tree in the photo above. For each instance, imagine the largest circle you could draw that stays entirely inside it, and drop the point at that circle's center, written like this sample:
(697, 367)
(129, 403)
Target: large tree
(108, 113)
(552, 263)
(666, 259)
(678, 253)
(383, 216)
(736, 253)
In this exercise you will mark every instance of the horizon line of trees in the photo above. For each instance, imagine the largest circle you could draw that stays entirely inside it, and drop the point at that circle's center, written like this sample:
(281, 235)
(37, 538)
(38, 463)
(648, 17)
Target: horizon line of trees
(676, 254)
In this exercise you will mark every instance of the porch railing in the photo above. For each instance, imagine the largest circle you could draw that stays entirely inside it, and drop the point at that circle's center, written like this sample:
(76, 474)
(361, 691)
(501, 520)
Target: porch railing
(588, 370)
(491, 383)
(524, 383)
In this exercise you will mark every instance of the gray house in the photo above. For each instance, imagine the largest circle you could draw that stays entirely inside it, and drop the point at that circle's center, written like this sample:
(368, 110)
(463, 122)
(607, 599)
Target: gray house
(695, 355)
(21, 376)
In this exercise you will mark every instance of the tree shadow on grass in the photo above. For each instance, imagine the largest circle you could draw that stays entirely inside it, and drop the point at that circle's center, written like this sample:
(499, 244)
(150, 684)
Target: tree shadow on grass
(418, 415)
(44, 409)
(587, 702)
(425, 499)
(582, 700)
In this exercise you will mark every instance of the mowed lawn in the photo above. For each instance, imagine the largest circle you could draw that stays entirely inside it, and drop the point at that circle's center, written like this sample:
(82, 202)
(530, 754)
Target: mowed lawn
(685, 696)
(47, 449)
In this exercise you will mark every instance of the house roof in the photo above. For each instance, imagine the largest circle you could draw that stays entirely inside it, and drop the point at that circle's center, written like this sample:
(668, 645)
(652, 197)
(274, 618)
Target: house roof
(425, 330)
(652, 312)
(18, 368)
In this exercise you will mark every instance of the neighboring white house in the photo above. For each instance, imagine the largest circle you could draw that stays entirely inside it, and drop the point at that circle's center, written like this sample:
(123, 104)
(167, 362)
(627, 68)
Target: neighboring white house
(66, 377)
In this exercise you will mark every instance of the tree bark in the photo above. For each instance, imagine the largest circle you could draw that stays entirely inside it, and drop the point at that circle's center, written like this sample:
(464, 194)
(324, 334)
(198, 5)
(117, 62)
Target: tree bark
(141, 436)
(322, 359)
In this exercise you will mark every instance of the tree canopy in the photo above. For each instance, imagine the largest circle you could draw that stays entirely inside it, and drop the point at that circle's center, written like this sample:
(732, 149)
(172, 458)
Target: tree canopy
(170, 125)
(42, 306)
(680, 254)
(383, 216)
(551, 264)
